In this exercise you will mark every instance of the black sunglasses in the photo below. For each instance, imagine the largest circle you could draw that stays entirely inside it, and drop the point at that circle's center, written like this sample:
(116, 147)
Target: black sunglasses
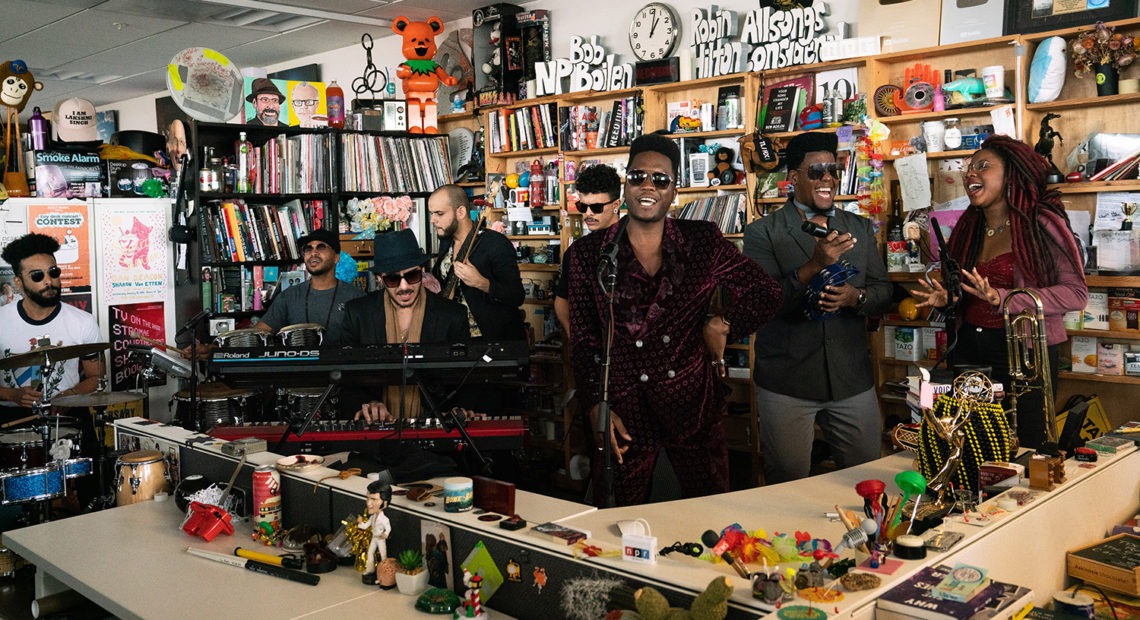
(315, 247)
(660, 179)
(37, 275)
(593, 207)
(815, 171)
(392, 280)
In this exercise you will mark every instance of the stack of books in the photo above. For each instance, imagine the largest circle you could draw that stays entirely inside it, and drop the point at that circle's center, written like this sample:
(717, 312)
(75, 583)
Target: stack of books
(919, 598)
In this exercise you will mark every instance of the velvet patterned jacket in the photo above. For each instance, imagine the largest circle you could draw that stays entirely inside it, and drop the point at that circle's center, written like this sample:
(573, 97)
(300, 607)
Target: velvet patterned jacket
(659, 355)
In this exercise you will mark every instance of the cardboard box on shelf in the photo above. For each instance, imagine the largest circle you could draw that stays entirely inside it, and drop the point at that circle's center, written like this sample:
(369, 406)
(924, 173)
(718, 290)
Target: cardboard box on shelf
(1096, 311)
(1110, 358)
(1124, 314)
(903, 25)
(1084, 354)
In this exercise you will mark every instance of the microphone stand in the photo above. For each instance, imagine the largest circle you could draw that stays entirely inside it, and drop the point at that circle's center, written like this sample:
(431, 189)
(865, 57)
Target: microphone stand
(952, 276)
(607, 279)
(192, 324)
(334, 381)
(454, 419)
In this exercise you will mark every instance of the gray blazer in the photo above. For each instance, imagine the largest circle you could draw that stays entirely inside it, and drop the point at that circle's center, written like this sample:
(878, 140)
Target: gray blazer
(816, 360)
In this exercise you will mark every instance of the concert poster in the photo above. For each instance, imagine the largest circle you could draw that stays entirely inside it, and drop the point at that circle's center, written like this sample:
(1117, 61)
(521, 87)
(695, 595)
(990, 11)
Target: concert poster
(133, 261)
(127, 325)
(68, 223)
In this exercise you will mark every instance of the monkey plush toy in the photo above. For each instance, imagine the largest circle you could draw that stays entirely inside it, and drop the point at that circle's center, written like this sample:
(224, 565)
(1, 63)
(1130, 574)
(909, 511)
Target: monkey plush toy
(16, 87)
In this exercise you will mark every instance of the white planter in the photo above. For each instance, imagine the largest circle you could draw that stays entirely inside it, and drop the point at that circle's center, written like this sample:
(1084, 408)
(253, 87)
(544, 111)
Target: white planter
(412, 584)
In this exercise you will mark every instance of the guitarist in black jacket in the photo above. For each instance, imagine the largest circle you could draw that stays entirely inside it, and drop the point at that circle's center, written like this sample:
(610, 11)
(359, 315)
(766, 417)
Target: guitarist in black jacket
(486, 272)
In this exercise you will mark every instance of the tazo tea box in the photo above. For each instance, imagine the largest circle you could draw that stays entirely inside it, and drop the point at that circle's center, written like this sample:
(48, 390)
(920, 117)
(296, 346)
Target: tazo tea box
(1132, 363)
(1123, 314)
(1096, 311)
(906, 347)
(1084, 354)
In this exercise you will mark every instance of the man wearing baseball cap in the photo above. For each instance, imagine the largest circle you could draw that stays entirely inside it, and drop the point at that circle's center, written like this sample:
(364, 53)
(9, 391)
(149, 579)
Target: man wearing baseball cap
(403, 312)
(322, 299)
(266, 99)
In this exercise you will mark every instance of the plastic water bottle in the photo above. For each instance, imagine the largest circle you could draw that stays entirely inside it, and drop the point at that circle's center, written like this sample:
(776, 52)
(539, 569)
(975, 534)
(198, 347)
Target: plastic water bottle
(244, 151)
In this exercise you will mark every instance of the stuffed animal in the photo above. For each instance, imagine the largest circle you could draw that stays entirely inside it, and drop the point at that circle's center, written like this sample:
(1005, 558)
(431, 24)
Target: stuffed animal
(712, 604)
(421, 75)
(17, 84)
(722, 172)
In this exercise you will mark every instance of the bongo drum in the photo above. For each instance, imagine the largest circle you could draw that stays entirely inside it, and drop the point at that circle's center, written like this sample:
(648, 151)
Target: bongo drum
(247, 337)
(218, 403)
(301, 401)
(302, 335)
(139, 476)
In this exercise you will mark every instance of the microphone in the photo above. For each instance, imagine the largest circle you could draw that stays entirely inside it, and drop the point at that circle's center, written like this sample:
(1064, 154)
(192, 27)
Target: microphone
(719, 546)
(198, 318)
(610, 250)
(814, 229)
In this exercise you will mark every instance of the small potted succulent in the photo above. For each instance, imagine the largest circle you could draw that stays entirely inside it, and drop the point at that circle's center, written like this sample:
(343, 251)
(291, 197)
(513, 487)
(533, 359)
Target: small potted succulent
(411, 578)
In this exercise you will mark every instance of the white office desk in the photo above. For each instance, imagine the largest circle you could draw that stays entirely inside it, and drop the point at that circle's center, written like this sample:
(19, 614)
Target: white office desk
(1027, 547)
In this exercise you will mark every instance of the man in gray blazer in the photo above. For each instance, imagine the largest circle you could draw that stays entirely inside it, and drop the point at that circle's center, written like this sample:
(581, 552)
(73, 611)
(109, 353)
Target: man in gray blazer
(812, 361)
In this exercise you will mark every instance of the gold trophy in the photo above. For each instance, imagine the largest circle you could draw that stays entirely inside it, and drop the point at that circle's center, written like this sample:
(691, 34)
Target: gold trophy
(971, 390)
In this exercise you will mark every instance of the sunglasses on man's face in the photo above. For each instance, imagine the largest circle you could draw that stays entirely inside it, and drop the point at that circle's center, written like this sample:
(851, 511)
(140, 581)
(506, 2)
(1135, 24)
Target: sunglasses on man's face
(37, 275)
(593, 207)
(660, 179)
(314, 247)
(392, 280)
(815, 171)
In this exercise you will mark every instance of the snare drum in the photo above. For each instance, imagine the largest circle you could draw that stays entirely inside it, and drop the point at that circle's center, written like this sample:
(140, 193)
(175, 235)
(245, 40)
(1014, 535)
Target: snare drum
(23, 449)
(301, 401)
(139, 476)
(248, 337)
(302, 335)
(29, 485)
(218, 403)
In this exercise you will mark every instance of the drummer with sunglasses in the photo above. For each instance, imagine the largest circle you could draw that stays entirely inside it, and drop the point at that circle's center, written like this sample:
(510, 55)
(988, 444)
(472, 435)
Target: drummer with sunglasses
(599, 202)
(42, 317)
(403, 311)
(816, 367)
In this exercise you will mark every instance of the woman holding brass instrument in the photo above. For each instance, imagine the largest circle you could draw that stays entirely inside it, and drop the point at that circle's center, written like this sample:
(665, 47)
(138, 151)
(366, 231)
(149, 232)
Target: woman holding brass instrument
(1015, 234)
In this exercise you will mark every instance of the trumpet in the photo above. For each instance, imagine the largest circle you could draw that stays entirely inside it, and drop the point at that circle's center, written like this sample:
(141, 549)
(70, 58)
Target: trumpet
(1029, 359)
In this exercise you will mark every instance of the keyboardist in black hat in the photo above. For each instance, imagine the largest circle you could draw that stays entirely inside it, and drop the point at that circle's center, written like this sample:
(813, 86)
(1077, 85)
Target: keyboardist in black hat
(402, 312)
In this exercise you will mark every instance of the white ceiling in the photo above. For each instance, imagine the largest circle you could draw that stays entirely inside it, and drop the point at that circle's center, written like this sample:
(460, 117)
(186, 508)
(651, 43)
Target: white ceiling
(110, 50)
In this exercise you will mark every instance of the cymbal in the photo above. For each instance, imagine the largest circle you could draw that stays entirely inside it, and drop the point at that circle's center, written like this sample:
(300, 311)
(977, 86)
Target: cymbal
(40, 355)
(96, 399)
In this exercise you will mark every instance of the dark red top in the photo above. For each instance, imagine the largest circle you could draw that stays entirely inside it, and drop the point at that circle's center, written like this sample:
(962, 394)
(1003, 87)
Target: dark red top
(999, 270)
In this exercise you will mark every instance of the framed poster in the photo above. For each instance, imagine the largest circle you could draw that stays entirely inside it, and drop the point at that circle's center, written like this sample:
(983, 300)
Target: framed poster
(1026, 16)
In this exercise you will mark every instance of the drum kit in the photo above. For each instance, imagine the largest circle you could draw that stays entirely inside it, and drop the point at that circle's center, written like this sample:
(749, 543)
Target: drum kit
(216, 403)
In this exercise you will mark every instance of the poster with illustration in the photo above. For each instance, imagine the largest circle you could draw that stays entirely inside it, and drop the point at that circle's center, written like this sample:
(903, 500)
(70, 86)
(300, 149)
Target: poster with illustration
(437, 553)
(67, 223)
(133, 265)
(265, 102)
(307, 104)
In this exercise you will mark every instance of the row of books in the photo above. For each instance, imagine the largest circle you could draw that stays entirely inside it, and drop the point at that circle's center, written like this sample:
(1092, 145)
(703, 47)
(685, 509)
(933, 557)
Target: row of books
(521, 129)
(392, 164)
(233, 230)
(297, 164)
(726, 211)
(587, 127)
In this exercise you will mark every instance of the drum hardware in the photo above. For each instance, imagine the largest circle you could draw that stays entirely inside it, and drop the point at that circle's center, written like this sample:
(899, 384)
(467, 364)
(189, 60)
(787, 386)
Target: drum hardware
(48, 355)
(192, 324)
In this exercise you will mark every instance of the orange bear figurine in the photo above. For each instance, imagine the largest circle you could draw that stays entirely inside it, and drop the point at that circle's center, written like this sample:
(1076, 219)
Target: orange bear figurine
(421, 75)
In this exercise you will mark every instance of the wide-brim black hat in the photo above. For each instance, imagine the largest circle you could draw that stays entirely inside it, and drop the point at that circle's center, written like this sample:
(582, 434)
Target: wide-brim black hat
(397, 251)
(263, 86)
(329, 237)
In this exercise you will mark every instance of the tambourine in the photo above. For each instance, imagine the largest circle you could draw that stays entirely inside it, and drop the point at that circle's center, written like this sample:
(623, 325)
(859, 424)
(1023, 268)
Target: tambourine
(835, 274)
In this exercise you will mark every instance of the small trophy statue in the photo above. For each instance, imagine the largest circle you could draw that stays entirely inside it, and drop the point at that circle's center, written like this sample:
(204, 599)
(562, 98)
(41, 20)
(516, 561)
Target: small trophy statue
(1044, 147)
(971, 391)
(1129, 209)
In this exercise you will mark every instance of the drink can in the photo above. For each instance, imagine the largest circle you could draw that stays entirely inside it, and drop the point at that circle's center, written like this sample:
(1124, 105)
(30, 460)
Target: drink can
(266, 502)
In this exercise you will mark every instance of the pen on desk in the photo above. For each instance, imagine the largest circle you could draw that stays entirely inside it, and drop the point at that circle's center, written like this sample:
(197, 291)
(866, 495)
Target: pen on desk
(284, 573)
(266, 558)
(255, 566)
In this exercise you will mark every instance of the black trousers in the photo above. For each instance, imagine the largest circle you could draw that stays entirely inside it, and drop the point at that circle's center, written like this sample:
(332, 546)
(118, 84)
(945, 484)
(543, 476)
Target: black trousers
(983, 346)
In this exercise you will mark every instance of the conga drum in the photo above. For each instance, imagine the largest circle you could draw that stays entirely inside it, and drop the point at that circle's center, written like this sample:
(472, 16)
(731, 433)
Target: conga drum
(139, 476)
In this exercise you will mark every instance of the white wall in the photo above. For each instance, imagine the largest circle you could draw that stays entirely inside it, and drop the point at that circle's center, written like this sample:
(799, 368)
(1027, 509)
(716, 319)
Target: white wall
(607, 18)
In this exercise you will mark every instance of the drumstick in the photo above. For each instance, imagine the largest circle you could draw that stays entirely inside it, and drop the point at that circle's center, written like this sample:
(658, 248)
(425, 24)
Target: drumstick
(153, 342)
(20, 421)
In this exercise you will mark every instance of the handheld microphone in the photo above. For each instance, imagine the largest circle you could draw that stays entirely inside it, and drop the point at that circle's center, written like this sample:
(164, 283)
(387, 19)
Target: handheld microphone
(814, 229)
(719, 546)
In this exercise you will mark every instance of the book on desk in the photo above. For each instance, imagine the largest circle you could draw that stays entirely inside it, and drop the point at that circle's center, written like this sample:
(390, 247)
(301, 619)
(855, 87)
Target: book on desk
(913, 599)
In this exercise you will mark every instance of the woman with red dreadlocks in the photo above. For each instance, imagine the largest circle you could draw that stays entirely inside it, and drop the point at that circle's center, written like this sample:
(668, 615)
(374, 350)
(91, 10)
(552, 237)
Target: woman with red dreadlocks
(1015, 234)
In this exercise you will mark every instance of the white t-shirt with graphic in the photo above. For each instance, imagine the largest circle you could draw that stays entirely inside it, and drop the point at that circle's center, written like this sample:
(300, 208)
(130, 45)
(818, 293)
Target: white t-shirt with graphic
(66, 326)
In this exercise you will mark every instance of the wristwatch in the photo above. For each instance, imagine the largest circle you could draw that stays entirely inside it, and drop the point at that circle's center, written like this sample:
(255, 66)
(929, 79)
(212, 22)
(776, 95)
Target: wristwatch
(862, 298)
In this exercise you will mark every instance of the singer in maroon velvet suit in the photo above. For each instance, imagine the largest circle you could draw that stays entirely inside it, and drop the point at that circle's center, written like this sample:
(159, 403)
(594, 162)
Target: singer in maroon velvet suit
(662, 384)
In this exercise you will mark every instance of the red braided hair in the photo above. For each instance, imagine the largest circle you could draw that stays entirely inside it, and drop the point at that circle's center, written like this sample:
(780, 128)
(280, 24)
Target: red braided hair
(1034, 249)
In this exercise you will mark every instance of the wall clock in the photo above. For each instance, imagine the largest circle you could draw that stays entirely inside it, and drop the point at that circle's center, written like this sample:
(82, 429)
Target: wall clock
(654, 31)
